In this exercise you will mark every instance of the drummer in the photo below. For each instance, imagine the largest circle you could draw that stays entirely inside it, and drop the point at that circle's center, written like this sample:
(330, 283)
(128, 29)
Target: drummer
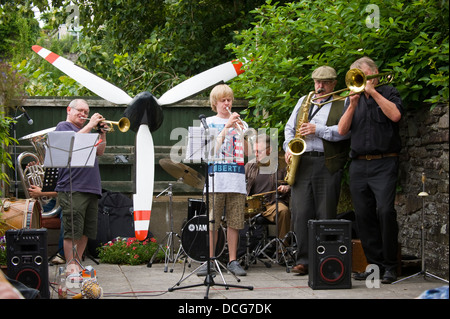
(260, 182)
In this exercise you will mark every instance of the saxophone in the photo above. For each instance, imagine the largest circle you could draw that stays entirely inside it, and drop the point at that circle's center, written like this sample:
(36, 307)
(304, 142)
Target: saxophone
(297, 145)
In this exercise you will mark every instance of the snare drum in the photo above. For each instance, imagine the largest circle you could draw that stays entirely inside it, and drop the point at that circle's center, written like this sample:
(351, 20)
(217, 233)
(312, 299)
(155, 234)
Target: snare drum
(194, 236)
(253, 206)
(20, 213)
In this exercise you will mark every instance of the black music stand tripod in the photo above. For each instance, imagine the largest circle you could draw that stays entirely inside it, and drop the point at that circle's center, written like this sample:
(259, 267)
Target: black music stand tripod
(423, 271)
(209, 278)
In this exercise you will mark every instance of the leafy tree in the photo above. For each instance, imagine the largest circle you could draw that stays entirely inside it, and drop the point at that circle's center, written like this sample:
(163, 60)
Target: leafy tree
(11, 95)
(18, 30)
(146, 45)
(289, 41)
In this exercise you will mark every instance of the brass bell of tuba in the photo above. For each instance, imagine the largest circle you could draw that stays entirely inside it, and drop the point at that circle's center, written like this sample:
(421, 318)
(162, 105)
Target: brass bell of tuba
(34, 174)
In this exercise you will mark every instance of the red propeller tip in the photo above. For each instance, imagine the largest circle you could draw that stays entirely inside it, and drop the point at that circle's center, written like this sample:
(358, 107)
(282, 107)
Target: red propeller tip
(36, 48)
(238, 67)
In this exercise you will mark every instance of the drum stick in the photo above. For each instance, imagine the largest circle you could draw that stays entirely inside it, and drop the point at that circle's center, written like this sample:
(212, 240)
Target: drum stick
(262, 194)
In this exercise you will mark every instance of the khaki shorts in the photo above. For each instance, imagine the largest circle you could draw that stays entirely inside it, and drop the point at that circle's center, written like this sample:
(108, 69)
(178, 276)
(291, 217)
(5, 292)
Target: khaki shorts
(85, 214)
(234, 205)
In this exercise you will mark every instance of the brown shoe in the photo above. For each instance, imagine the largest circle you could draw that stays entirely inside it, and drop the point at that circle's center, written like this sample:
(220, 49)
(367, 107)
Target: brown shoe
(300, 269)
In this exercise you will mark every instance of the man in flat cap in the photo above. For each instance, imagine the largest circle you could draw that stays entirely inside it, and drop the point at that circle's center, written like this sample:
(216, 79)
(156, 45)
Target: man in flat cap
(315, 192)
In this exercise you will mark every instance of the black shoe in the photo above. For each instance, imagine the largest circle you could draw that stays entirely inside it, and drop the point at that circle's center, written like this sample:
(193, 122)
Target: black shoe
(361, 275)
(389, 277)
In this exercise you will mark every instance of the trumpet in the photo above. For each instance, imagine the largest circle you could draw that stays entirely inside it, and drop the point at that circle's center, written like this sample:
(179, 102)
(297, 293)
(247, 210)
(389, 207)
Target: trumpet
(355, 79)
(123, 124)
(238, 128)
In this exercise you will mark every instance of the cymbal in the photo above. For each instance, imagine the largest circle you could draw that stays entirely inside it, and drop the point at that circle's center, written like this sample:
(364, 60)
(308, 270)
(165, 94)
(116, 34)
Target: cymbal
(183, 173)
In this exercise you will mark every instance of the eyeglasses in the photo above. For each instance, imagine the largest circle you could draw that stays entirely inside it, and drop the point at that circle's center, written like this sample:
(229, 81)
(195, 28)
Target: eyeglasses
(86, 112)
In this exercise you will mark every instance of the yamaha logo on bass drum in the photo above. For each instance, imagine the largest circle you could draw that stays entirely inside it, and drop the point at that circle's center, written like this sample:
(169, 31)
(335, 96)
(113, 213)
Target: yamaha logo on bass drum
(198, 227)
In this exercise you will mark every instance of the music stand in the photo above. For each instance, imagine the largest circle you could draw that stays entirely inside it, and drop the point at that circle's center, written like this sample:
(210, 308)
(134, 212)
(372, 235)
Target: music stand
(209, 279)
(423, 271)
(61, 146)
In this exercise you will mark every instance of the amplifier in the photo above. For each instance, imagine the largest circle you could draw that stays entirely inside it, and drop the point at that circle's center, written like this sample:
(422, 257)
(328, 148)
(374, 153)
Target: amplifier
(330, 254)
(26, 252)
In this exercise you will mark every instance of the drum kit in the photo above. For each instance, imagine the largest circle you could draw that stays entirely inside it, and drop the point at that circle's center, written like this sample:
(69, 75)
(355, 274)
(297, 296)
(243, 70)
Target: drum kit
(194, 232)
(193, 239)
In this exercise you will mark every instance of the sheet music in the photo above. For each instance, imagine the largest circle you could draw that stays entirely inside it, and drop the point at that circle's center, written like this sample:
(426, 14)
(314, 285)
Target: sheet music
(195, 150)
(64, 147)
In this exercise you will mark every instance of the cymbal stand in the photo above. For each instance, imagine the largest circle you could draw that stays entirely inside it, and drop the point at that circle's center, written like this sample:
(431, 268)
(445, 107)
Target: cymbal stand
(168, 248)
(423, 271)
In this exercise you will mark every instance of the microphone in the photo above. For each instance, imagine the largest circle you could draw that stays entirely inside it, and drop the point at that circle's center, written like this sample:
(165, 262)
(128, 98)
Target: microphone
(30, 121)
(202, 119)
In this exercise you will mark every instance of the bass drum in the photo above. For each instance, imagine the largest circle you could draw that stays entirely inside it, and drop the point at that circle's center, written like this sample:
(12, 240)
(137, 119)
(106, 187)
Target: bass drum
(19, 214)
(194, 237)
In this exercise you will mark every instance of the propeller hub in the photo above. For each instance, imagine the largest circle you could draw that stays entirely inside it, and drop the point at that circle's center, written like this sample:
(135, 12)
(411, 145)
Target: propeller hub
(144, 109)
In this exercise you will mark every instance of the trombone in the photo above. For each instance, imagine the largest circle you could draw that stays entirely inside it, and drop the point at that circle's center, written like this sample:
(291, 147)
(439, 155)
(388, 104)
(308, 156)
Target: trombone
(355, 79)
(123, 124)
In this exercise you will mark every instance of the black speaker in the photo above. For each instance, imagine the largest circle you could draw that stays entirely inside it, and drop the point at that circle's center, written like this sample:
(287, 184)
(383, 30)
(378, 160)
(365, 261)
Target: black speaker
(330, 254)
(26, 252)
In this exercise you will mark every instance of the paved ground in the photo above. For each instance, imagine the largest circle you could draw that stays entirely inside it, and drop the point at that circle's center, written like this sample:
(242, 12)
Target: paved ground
(141, 282)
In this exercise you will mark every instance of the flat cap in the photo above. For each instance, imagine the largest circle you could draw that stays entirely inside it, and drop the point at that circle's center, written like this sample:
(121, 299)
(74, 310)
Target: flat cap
(324, 73)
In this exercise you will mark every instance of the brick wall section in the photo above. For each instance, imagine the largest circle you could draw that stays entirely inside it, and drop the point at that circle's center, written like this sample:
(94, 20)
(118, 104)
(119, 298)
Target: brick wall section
(425, 136)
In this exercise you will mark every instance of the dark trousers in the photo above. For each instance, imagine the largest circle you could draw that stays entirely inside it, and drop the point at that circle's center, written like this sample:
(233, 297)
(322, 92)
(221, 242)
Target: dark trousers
(373, 187)
(314, 195)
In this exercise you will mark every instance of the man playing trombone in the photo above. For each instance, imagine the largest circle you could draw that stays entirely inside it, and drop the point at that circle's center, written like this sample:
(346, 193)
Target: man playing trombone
(372, 118)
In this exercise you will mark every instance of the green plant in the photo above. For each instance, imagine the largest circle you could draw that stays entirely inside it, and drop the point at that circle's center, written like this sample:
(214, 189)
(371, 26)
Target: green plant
(129, 251)
(289, 41)
(11, 95)
(2, 250)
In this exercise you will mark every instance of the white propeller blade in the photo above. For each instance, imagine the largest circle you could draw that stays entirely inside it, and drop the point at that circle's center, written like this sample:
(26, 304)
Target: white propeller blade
(94, 83)
(202, 81)
(145, 173)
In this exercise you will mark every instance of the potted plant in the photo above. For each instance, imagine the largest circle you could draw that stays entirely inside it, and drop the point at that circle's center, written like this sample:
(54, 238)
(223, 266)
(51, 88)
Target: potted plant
(129, 251)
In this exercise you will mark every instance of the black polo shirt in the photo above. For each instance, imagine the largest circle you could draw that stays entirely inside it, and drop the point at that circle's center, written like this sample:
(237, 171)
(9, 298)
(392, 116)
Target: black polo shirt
(372, 132)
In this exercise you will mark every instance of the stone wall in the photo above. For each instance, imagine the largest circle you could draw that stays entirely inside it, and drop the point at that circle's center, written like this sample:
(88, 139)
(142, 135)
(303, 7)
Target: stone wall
(425, 136)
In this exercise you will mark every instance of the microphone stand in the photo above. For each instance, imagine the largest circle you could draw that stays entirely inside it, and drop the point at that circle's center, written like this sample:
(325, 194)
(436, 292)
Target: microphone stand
(209, 279)
(14, 133)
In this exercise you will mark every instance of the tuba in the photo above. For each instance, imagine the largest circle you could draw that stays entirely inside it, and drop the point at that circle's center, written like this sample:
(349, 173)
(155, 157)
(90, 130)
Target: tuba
(297, 145)
(34, 174)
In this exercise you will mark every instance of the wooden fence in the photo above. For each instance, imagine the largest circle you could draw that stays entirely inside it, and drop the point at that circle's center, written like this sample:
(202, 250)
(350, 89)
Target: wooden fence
(117, 164)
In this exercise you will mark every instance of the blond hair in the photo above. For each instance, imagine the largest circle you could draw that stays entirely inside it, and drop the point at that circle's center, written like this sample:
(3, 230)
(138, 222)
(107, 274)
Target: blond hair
(218, 92)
